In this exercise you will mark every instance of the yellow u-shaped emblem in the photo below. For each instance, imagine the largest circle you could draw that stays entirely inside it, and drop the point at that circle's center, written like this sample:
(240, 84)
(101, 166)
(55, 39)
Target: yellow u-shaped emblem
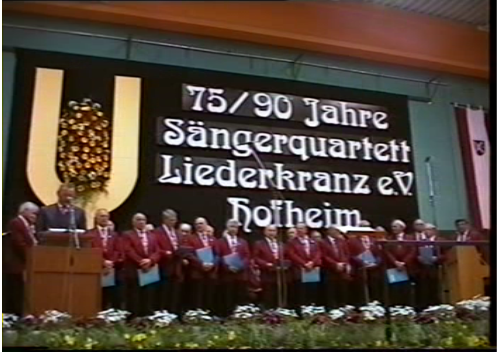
(42, 147)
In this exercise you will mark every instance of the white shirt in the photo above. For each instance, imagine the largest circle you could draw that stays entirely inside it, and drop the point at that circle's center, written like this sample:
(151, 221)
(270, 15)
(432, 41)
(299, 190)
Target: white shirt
(204, 239)
(306, 244)
(31, 230)
(421, 236)
(463, 237)
(144, 240)
(103, 231)
(172, 236)
(233, 242)
(273, 244)
(400, 236)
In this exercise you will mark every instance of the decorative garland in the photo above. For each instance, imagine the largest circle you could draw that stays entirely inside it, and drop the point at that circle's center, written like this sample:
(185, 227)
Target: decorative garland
(84, 148)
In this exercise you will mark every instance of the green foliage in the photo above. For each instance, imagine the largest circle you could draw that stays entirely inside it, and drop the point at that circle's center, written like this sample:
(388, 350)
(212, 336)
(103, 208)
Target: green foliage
(236, 335)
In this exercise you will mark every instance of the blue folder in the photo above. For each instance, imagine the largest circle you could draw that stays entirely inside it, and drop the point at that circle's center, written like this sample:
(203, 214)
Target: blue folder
(234, 260)
(367, 258)
(206, 255)
(426, 253)
(149, 277)
(310, 276)
(394, 276)
(109, 279)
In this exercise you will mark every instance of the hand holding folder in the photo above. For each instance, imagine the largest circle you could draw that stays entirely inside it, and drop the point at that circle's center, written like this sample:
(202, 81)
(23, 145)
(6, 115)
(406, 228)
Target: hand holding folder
(234, 261)
(310, 276)
(148, 277)
(108, 278)
(205, 255)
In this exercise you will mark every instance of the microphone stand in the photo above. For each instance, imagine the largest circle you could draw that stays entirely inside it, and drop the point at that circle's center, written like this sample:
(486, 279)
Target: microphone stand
(72, 227)
(280, 272)
(432, 202)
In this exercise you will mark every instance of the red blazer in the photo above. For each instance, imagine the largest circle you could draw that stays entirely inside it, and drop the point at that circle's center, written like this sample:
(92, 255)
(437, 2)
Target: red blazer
(295, 252)
(134, 251)
(262, 255)
(114, 248)
(20, 241)
(172, 263)
(195, 270)
(356, 247)
(401, 253)
(331, 257)
(440, 253)
(222, 249)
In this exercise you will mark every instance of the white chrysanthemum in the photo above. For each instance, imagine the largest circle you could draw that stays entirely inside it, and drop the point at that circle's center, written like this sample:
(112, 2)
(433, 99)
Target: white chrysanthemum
(8, 320)
(249, 308)
(197, 315)
(113, 315)
(162, 318)
(336, 314)
(54, 316)
(476, 305)
(284, 312)
(312, 310)
(372, 311)
(402, 311)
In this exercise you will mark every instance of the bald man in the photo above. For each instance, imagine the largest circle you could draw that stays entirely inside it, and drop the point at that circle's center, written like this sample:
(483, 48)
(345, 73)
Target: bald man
(105, 238)
(141, 253)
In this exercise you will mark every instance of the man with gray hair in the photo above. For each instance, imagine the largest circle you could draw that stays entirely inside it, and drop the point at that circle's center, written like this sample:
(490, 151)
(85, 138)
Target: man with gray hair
(21, 236)
(171, 273)
(60, 215)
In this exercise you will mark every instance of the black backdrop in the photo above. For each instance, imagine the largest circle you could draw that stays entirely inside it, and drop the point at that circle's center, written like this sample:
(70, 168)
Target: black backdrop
(161, 96)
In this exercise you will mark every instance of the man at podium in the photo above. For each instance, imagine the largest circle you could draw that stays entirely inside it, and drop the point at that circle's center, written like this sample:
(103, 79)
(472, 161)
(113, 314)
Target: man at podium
(59, 215)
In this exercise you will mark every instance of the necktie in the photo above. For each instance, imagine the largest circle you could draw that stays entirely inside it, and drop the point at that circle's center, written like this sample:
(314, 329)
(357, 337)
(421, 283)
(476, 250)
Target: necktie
(172, 236)
(104, 238)
(366, 242)
(274, 248)
(204, 239)
(233, 243)
(144, 240)
(307, 248)
(334, 245)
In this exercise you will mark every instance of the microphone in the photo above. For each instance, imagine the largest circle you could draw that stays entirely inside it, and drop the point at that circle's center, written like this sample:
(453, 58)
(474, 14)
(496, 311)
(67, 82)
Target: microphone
(428, 159)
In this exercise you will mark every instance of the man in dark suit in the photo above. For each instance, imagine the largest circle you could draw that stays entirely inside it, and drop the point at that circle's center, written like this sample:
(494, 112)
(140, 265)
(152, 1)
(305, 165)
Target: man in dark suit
(21, 235)
(305, 256)
(104, 237)
(266, 255)
(141, 253)
(338, 271)
(233, 281)
(59, 215)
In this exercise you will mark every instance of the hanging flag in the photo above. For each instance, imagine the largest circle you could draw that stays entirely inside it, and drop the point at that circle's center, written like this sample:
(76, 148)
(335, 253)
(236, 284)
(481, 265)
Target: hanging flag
(473, 127)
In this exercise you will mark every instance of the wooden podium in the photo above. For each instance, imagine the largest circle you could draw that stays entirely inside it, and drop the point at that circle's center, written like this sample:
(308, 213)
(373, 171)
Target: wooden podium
(64, 278)
(465, 273)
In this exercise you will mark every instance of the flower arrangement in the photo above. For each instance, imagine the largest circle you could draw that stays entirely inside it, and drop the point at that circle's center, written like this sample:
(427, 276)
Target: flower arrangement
(113, 315)
(84, 148)
(280, 328)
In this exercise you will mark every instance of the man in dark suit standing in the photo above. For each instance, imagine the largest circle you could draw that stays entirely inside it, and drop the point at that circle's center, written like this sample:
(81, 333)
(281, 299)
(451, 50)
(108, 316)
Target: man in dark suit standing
(59, 215)
(21, 236)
